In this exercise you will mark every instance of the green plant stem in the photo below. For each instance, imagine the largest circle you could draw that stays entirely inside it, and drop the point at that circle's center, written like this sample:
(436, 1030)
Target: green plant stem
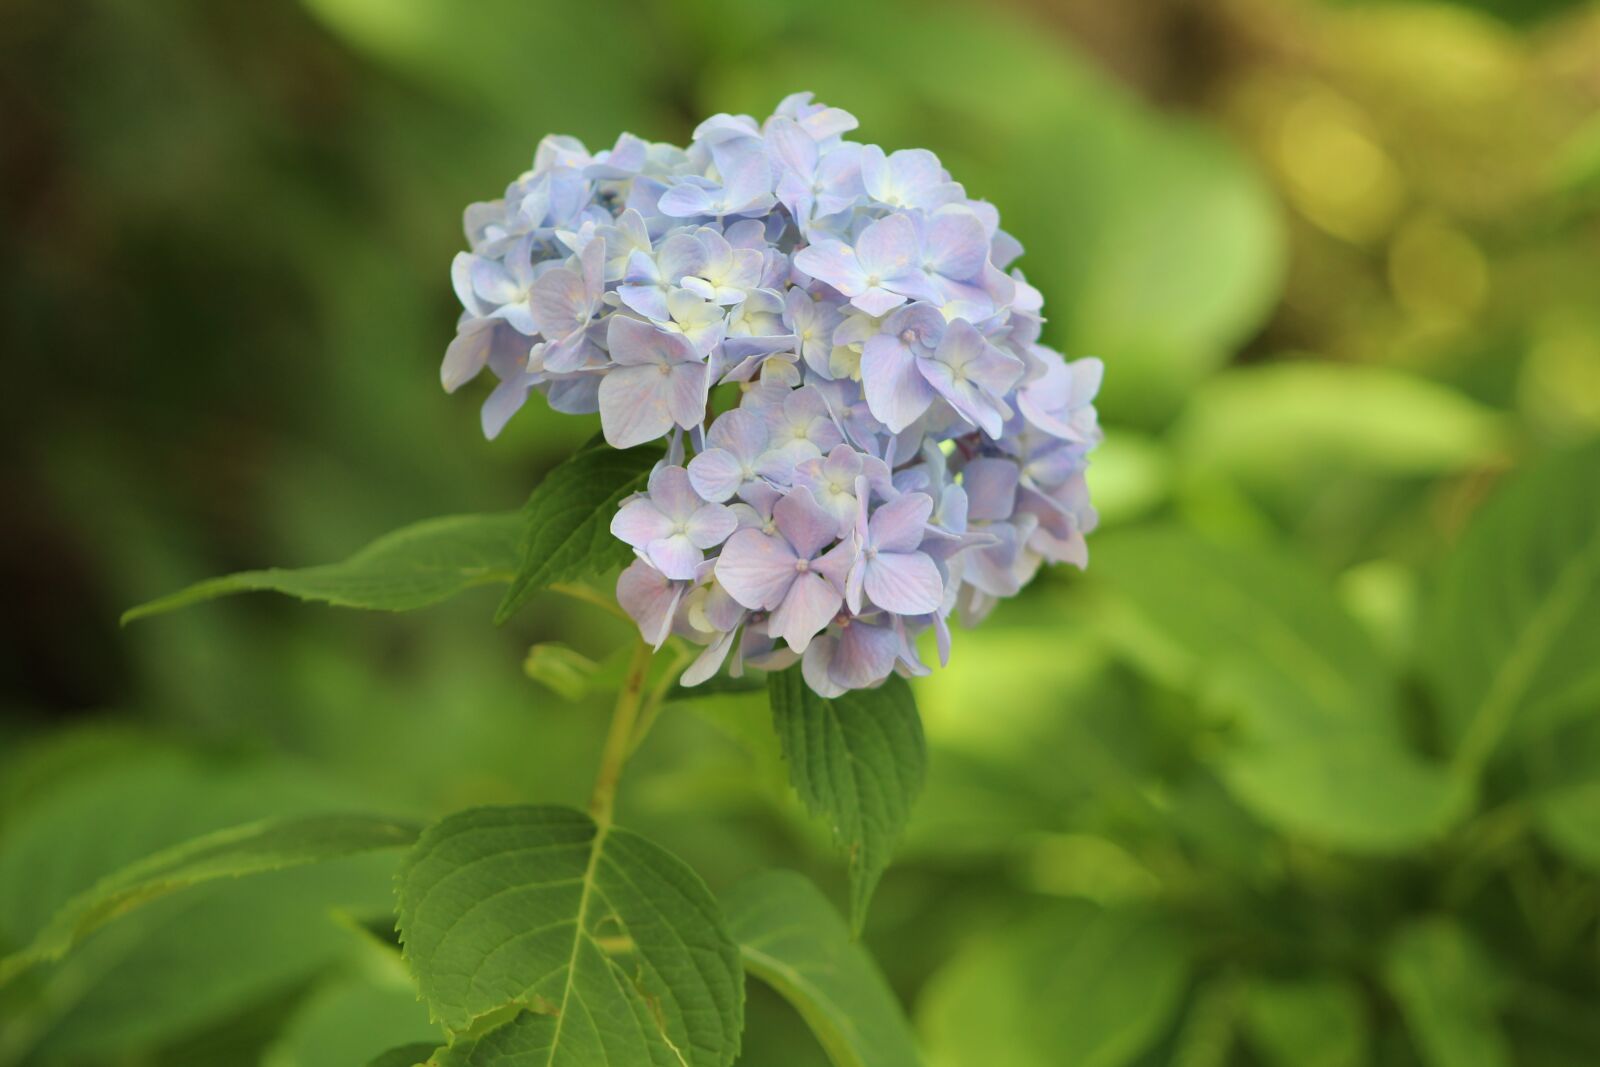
(594, 597)
(681, 657)
(619, 738)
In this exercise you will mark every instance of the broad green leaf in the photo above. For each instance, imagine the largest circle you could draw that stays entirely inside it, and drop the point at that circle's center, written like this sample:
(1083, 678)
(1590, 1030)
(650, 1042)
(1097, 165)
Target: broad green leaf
(1077, 986)
(791, 938)
(404, 1056)
(1566, 805)
(1511, 635)
(1569, 818)
(352, 1018)
(1313, 1022)
(1294, 420)
(267, 845)
(1312, 740)
(189, 961)
(857, 761)
(536, 936)
(566, 531)
(1448, 993)
(409, 568)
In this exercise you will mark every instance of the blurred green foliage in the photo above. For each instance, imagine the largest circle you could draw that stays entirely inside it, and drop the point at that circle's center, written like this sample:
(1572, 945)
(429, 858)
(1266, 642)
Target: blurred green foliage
(1223, 799)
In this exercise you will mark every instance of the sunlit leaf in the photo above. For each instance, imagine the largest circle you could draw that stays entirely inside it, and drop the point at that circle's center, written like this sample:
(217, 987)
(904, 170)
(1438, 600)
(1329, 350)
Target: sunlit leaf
(268, 845)
(1076, 987)
(791, 938)
(1448, 992)
(533, 932)
(404, 1056)
(1293, 420)
(1312, 740)
(190, 960)
(1511, 635)
(857, 761)
(409, 568)
(350, 1019)
(1313, 1022)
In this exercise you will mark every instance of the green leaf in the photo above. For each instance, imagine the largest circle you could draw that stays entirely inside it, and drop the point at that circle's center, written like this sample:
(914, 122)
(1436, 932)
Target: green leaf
(566, 531)
(791, 938)
(1448, 992)
(1077, 986)
(404, 1056)
(1296, 420)
(1314, 1022)
(857, 761)
(353, 1017)
(191, 961)
(268, 845)
(534, 933)
(1511, 634)
(1306, 702)
(409, 568)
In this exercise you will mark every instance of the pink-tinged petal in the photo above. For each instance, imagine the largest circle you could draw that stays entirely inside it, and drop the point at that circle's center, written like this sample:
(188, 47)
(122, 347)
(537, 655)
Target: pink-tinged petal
(716, 474)
(710, 525)
(710, 661)
(996, 372)
(865, 655)
(633, 342)
(689, 384)
(633, 406)
(854, 583)
(899, 525)
(648, 300)
(991, 485)
(467, 355)
(638, 522)
(685, 201)
(941, 633)
(836, 563)
(958, 247)
(506, 400)
(816, 666)
(649, 599)
(967, 400)
(756, 569)
(672, 493)
(793, 148)
(897, 393)
(492, 282)
(877, 301)
(832, 262)
(559, 302)
(719, 611)
(906, 583)
(806, 524)
(674, 556)
(806, 610)
(741, 432)
(888, 247)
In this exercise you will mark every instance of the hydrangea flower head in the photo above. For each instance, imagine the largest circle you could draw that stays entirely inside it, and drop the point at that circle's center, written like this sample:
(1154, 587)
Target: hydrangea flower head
(864, 435)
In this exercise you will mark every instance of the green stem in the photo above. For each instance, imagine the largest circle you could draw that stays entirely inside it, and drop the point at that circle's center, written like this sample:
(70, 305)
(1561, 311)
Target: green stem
(619, 738)
(681, 658)
(584, 593)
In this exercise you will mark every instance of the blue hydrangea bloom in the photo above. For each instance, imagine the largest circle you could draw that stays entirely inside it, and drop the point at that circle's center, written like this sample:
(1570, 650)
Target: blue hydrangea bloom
(865, 436)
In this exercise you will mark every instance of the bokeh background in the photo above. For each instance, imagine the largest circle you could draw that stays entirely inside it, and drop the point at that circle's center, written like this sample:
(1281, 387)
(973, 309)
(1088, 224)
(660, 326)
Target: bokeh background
(1342, 261)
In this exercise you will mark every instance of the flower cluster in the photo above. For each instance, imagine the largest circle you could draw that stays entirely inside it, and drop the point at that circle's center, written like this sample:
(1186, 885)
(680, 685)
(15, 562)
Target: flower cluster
(896, 444)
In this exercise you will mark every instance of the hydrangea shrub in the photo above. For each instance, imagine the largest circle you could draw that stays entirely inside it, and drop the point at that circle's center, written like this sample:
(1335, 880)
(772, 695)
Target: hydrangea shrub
(895, 444)
(828, 427)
